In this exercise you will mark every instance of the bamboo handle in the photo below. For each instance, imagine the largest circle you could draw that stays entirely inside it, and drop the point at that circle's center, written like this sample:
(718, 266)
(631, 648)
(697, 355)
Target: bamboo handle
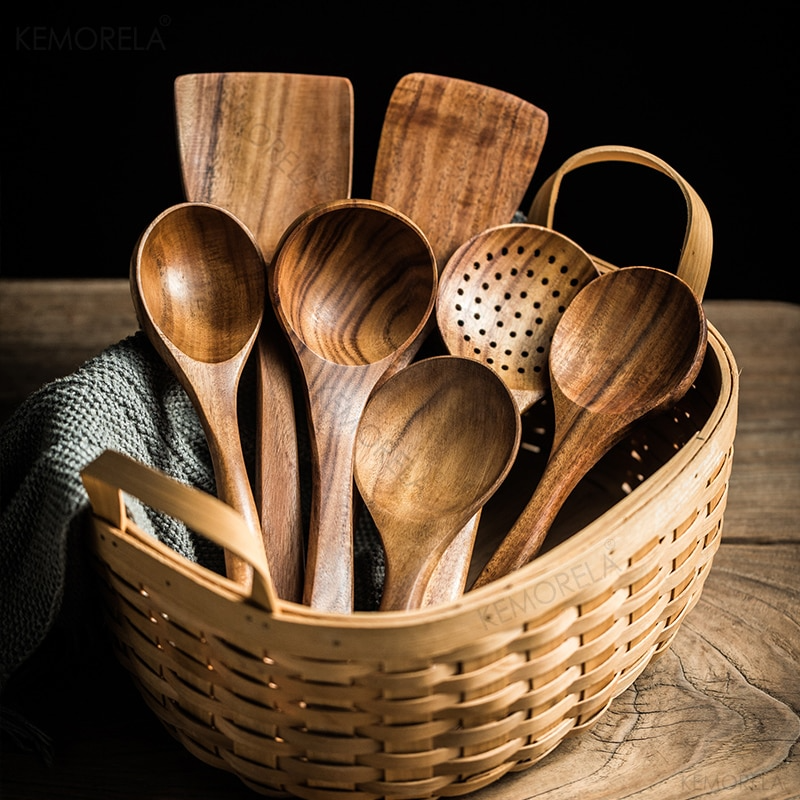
(695, 259)
(112, 473)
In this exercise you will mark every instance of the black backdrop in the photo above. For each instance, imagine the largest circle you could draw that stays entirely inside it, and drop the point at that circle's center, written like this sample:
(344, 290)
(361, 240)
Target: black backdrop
(89, 155)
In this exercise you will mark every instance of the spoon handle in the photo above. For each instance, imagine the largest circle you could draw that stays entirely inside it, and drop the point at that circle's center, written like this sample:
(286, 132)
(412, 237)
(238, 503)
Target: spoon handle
(277, 476)
(335, 408)
(218, 414)
(580, 441)
(449, 578)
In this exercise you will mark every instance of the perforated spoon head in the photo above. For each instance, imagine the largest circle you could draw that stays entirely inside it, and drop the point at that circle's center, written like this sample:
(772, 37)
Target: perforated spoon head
(501, 296)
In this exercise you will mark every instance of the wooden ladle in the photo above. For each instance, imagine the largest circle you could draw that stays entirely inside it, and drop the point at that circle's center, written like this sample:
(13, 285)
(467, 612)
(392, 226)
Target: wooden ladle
(630, 344)
(353, 283)
(434, 443)
(197, 283)
(500, 297)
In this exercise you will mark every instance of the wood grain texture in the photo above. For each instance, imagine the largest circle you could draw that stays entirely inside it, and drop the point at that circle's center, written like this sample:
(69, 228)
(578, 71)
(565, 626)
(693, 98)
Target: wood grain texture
(198, 283)
(446, 411)
(266, 146)
(630, 344)
(717, 716)
(455, 156)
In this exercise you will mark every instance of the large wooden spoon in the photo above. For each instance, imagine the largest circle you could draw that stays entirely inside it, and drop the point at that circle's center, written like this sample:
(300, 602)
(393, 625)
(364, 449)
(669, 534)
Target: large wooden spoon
(197, 282)
(434, 443)
(268, 146)
(500, 297)
(631, 343)
(353, 283)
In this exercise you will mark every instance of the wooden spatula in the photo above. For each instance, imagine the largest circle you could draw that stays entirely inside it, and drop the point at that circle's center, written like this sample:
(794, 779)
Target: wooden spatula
(268, 146)
(456, 157)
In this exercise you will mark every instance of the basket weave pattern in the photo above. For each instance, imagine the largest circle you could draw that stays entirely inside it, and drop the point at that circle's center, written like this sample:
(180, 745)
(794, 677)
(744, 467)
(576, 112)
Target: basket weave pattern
(445, 700)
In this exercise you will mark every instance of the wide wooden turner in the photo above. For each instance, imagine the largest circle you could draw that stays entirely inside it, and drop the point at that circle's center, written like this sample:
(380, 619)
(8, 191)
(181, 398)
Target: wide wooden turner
(456, 156)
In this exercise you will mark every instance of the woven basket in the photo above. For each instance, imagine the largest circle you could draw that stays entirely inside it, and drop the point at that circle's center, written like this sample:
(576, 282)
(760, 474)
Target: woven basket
(445, 700)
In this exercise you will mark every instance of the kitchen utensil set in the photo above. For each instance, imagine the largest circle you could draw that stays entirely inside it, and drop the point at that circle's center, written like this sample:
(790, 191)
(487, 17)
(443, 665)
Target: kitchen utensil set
(270, 254)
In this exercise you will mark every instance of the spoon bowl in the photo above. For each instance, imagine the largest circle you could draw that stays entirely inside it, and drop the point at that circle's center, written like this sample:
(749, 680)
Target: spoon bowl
(631, 344)
(198, 283)
(353, 283)
(501, 296)
(434, 443)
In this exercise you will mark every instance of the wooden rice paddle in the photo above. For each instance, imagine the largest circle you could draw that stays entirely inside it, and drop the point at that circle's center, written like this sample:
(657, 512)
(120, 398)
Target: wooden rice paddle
(197, 283)
(434, 443)
(353, 284)
(500, 297)
(631, 343)
(268, 146)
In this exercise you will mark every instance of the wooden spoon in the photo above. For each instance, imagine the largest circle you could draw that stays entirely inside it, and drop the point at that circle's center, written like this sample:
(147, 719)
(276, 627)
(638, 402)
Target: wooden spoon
(434, 443)
(500, 297)
(197, 282)
(268, 146)
(353, 284)
(631, 343)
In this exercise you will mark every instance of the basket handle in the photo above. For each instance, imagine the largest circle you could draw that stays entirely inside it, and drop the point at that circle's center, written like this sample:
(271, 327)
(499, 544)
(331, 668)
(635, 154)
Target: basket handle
(112, 473)
(695, 259)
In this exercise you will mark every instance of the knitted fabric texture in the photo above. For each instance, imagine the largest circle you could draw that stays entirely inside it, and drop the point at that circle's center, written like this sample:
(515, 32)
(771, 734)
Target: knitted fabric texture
(124, 399)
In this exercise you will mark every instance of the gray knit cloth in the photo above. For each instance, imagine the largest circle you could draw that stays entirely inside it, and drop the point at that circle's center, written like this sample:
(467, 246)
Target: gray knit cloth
(124, 399)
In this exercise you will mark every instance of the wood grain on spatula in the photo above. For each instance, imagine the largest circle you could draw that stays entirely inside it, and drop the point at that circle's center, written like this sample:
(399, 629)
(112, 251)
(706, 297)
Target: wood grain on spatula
(268, 146)
(456, 156)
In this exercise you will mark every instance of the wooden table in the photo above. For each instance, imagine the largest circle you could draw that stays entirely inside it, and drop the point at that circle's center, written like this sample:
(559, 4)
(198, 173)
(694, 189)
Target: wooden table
(717, 716)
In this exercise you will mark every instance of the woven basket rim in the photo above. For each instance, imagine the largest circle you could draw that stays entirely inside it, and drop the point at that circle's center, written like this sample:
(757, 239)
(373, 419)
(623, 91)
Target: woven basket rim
(496, 609)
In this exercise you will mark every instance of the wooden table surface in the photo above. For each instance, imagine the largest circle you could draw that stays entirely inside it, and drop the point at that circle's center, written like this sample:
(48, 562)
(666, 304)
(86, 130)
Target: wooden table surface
(718, 716)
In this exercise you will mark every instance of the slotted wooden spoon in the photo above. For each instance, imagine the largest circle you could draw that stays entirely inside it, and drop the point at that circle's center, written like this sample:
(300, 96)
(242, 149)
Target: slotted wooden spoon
(500, 298)
(631, 343)
(268, 146)
(434, 443)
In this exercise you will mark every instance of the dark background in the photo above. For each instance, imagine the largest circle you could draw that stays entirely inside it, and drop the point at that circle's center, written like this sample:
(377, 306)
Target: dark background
(89, 155)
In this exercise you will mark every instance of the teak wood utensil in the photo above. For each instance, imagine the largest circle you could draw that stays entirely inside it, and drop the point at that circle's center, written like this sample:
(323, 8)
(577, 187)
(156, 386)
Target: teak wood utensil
(268, 146)
(631, 343)
(500, 297)
(456, 157)
(434, 443)
(197, 283)
(265, 145)
(353, 283)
